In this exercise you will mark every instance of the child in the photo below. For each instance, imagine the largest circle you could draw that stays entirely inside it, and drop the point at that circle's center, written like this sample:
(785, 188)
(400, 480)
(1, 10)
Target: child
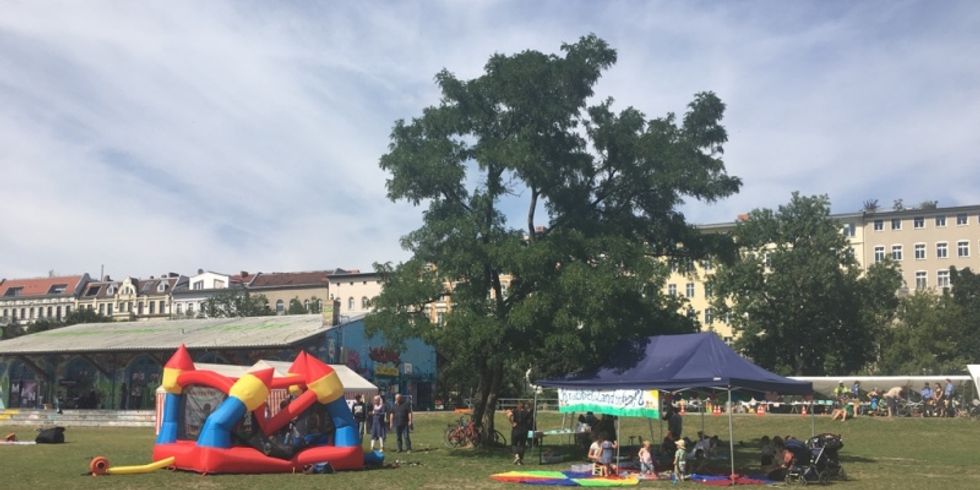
(767, 451)
(646, 458)
(680, 461)
(606, 454)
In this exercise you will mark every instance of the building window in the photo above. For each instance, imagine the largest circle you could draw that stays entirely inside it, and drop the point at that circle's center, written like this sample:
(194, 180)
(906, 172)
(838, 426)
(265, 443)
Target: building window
(180, 308)
(896, 252)
(707, 290)
(162, 310)
(940, 221)
(896, 223)
(921, 280)
(672, 289)
(102, 309)
(879, 253)
(350, 303)
(709, 316)
(692, 314)
(942, 250)
(942, 278)
(962, 248)
(58, 312)
(848, 230)
(706, 264)
(280, 307)
(152, 308)
(879, 225)
(50, 312)
(440, 318)
(689, 290)
(961, 219)
(108, 309)
(199, 285)
(190, 309)
(920, 251)
(364, 302)
(139, 308)
(918, 222)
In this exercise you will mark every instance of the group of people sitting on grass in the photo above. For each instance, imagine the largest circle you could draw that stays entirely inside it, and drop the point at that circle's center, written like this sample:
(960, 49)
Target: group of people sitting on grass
(682, 454)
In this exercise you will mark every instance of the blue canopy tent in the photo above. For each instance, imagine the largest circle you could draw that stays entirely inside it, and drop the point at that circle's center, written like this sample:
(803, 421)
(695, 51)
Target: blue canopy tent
(681, 362)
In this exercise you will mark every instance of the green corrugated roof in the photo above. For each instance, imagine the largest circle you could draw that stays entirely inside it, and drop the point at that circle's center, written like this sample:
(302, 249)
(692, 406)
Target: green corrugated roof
(217, 333)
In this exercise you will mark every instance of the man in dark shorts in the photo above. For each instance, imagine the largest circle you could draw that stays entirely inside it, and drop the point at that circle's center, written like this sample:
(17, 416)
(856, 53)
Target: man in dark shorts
(401, 422)
(520, 423)
(359, 411)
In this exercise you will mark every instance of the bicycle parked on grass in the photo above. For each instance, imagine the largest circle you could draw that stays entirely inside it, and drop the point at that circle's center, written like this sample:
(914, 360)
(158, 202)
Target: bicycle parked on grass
(464, 433)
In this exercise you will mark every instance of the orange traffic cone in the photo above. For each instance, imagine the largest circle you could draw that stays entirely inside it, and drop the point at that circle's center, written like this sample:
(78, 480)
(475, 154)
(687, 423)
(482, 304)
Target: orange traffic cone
(760, 410)
(716, 410)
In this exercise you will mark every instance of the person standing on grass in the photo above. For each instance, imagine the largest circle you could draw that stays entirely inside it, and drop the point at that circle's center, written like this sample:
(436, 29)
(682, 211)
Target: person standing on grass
(520, 423)
(675, 422)
(948, 397)
(926, 393)
(379, 422)
(892, 397)
(401, 422)
(359, 411)
(680, 461)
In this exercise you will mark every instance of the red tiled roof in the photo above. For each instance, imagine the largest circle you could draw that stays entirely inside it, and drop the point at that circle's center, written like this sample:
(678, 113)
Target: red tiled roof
(40, 286)
(287, 279)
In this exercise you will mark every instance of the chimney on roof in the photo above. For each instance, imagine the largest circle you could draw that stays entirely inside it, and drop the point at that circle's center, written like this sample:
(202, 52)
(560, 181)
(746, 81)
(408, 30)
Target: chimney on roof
(106, 278)
(173, 274)
(244, 274)
(51, 273)
(151, 278)
(200, 271)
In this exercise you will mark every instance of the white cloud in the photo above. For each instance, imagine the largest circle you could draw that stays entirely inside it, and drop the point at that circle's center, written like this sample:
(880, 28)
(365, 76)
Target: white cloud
(179, 135)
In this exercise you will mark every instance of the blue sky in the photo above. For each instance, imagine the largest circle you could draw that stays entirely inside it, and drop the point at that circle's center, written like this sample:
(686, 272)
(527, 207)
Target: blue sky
(171, 136)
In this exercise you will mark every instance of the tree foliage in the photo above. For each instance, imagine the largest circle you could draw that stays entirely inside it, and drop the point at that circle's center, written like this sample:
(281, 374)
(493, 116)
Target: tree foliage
(236, 303)
(935, 333)
(797, 295)
(597, 192)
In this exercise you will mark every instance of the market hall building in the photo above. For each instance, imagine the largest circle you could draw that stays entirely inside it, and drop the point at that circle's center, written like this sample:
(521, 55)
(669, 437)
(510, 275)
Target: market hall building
(118, 365)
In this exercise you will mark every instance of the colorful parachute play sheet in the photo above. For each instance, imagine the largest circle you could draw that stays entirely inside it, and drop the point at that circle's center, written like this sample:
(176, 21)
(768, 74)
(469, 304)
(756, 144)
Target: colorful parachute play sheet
(564, 479)
(724, 481)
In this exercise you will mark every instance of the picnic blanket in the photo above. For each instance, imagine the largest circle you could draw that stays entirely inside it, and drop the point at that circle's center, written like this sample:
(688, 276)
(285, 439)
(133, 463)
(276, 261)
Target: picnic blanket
(564, 479)
(724, 480)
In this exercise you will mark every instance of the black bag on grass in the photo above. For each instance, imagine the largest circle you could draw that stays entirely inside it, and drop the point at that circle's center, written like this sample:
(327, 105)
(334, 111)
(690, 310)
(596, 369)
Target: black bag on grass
(53, 435)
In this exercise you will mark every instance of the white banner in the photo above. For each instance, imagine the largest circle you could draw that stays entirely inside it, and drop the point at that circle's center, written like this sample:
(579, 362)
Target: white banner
(631, 403)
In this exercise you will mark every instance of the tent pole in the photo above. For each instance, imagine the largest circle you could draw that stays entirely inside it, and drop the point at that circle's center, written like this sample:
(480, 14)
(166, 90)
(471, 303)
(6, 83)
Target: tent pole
(619, 436)
(731, 436)
(702, 416)
(813, 421)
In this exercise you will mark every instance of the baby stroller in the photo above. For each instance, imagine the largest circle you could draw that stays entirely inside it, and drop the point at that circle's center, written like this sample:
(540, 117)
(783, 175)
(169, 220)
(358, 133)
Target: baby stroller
(816, 461)
(826, 449)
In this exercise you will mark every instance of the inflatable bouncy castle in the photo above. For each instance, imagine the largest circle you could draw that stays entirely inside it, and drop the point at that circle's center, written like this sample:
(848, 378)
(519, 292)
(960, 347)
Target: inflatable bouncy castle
(216, 424)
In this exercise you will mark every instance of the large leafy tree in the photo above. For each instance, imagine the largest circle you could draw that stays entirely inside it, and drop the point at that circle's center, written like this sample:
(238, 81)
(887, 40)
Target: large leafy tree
(797, 295)
(935, 333)
(597, 194)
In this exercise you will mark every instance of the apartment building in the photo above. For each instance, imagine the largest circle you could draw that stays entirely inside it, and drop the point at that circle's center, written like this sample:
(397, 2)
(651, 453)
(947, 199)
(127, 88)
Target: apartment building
(281, 287)
(354, 291)
(191, 296)
(924, 242)
(41, 298)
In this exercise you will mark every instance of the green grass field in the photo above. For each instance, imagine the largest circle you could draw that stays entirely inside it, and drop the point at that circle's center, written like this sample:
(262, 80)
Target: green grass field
(878, 453)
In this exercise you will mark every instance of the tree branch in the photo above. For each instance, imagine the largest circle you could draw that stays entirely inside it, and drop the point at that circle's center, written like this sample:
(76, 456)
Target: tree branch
(530, 213)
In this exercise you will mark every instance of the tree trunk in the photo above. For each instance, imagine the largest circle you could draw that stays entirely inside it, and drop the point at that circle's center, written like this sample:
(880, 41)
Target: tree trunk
(484, 409)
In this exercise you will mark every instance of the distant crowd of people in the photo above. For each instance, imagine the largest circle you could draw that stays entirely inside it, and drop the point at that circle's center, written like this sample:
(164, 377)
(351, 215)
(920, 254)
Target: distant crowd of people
(936, 400)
